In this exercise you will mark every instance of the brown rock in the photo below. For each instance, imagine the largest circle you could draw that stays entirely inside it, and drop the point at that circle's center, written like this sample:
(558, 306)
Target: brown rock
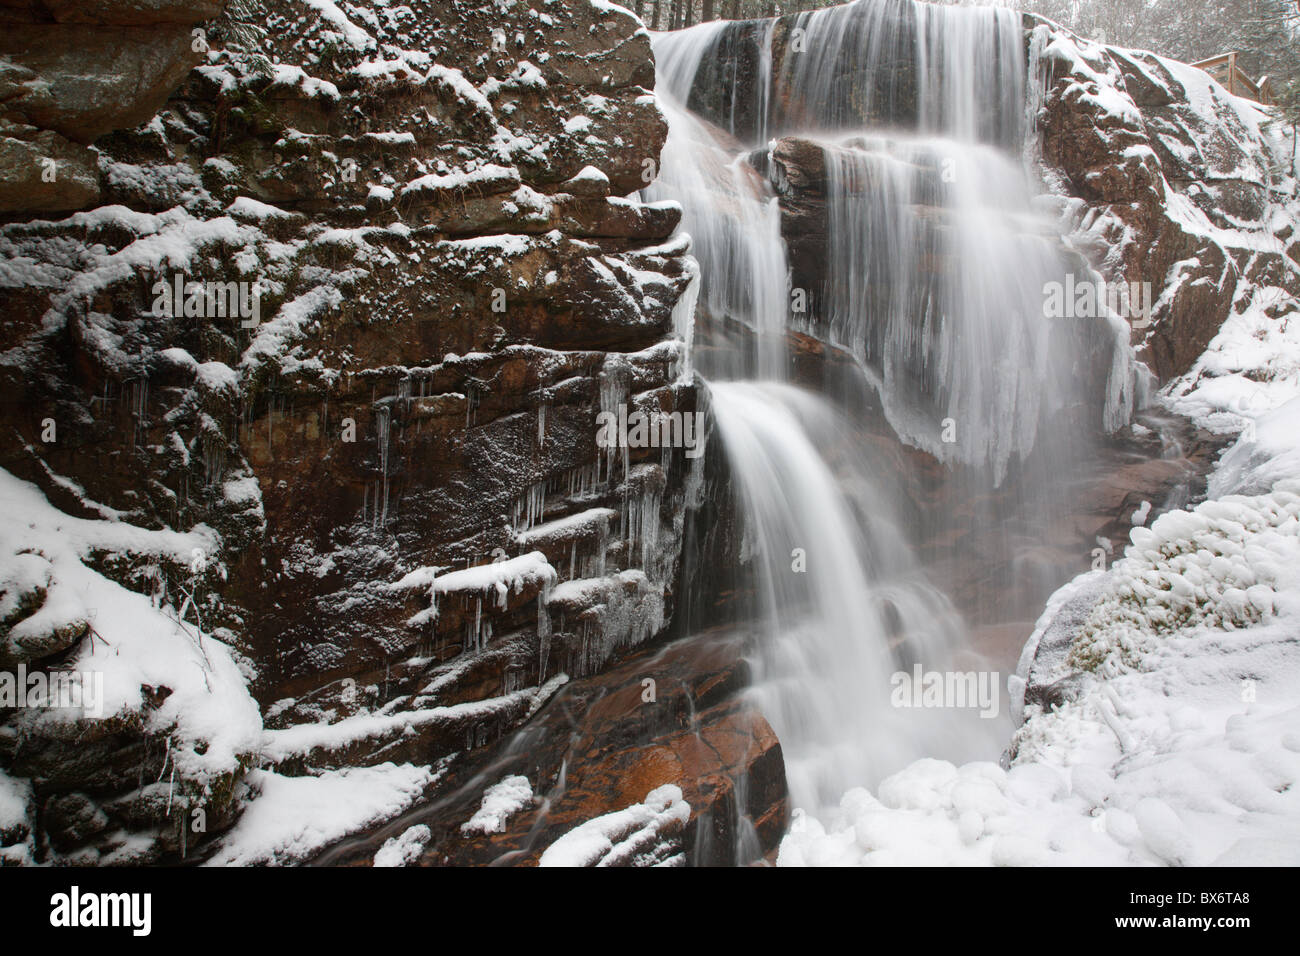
(92, 81)
(40, 171)
(121, 12)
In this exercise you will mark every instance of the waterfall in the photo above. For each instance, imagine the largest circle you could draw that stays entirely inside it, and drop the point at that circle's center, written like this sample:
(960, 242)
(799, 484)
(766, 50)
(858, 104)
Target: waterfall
(732, 215)
(845, 606)
(958, 71)
(935, 279)
(904, 127)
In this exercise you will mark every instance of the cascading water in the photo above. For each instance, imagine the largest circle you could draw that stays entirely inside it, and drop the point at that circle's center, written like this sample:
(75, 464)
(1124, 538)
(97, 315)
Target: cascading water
(932, 284)
(947, 315)
(836, 631)
(737, 232)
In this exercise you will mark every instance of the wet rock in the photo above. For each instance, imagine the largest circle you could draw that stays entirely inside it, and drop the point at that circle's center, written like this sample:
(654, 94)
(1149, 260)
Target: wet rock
(675, 715)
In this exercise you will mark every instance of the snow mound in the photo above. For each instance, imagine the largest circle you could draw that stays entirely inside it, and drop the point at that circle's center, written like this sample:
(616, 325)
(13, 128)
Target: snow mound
(405, 849)
(500, 802)
(1223, 565)
(293, 817)
(133, 640)
(639, 835)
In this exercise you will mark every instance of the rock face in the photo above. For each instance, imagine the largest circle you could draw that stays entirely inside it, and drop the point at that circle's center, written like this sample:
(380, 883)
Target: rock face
(1172, 184)
(71, 72)
(419, 284)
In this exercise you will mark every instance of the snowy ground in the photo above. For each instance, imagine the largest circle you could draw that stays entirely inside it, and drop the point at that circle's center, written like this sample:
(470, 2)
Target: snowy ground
(1181, 743)
(294, 817)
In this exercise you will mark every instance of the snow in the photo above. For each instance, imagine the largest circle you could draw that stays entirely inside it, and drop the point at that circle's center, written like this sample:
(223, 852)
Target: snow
(507, 245)
(253, 209)
(13, 802)
(1248, 381)
(1209, 98)
(495, 178)
(356, 37)
(216, 377)
(589, 522)
(464, 91)
(1267, 454)
(501, 578)
(293, 817)
(525, 76)
(302, 739)
(1139, 517)
(211, 720)
(1188, 215)
(501, 801)
(605, 7)
(245, 490)
(1097, 88)
(15, 822)
(405, 849)
(274, 339)
(392, 138)
(639, 835)
(381, 69)
(167, 242)
(1223, 565)
(295, 77)
(581, 591)
(590, 174)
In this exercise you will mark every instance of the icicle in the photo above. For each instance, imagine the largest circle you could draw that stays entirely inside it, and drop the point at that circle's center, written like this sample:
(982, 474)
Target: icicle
(383, 428)
(543, 632)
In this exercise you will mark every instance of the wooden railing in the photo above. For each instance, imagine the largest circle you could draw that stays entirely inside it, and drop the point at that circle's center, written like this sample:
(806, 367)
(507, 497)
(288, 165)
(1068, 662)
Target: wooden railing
(1224, 68)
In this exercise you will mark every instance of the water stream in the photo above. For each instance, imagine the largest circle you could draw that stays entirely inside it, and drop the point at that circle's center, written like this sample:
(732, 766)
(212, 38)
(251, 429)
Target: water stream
(931, 284)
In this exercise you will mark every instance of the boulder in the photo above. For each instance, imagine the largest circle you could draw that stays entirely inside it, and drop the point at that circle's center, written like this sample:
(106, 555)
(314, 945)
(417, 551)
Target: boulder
(40, 171)
(120, 12)
(89, 81)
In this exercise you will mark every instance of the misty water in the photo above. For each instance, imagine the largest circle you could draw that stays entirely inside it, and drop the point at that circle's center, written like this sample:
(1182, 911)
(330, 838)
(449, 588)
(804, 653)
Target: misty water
(935, 265)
